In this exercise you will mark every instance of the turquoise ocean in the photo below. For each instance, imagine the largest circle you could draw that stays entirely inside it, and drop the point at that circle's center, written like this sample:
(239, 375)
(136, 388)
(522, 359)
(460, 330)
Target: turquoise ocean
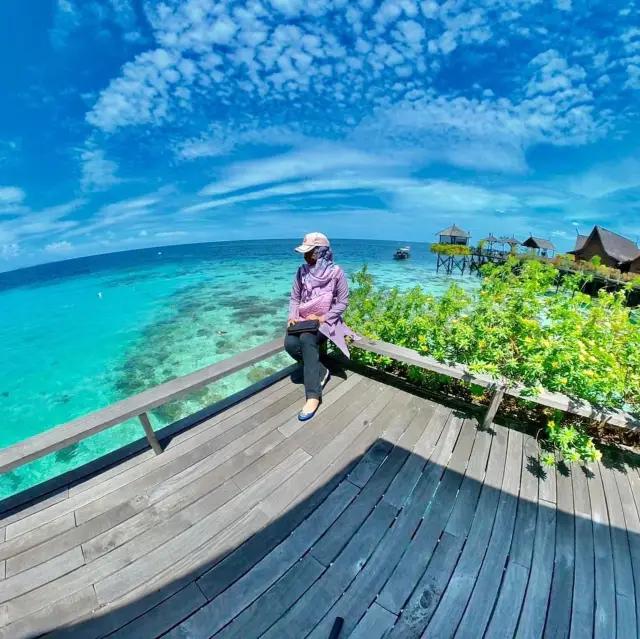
(78, 335)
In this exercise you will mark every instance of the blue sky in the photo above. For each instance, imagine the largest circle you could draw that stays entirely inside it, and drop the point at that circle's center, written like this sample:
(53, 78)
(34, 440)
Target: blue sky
(134, 123)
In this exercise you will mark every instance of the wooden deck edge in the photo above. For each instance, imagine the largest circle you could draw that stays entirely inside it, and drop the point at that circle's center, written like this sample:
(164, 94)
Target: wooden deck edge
(582, 408)
(78, 429)
(47, 488)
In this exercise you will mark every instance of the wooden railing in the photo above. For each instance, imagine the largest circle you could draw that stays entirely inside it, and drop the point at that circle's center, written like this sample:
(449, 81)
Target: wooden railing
(500, 387)
(139, 405)
(135, 406)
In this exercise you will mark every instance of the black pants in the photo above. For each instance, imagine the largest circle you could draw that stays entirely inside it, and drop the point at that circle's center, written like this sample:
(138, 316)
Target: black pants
(305, 348)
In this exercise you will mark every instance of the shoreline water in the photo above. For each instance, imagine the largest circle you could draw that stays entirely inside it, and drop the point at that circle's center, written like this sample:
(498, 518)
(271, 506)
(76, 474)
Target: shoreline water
(95, 335)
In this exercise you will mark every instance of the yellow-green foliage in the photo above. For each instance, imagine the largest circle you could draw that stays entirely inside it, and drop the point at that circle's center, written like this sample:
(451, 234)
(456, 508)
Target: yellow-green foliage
(451, 249)
(514, 327)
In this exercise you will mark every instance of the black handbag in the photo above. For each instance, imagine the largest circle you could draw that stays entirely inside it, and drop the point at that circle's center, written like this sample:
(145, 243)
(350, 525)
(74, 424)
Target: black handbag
(306, 326)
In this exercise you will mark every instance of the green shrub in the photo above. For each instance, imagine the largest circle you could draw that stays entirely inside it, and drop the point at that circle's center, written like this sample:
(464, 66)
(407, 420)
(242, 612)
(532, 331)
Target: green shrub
(513, 326)
(571, 443)
(451, 249)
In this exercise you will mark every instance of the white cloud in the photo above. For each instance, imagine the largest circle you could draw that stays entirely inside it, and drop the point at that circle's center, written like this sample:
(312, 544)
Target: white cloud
(141, 95)
(607, 179)
(250, 60)
(9, 251)
(98, 173)
(59, 247)
(171, 233)
(116, 215)
(10, 195)
(563, 5)
(296, 165)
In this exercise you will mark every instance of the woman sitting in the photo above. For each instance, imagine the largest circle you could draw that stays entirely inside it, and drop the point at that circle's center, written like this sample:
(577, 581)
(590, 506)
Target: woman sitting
(320, 292)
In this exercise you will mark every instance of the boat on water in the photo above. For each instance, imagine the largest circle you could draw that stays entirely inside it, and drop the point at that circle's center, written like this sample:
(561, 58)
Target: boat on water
(402, 253)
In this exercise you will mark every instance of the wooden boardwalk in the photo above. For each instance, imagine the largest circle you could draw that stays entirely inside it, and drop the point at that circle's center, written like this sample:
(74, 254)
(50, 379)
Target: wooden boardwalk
(387, 509)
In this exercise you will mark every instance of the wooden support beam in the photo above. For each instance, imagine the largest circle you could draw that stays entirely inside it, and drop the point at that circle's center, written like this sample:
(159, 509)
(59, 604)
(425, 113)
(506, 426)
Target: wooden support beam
(148, 431)
(494, 406)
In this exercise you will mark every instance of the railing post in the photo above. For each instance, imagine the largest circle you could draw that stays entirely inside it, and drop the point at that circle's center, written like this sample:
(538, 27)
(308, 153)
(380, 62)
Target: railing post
(493, 407)
(151, 436)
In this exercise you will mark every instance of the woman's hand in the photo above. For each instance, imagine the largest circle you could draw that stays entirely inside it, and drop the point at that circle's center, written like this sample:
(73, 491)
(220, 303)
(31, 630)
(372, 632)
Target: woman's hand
(320, 318)
(291, 322)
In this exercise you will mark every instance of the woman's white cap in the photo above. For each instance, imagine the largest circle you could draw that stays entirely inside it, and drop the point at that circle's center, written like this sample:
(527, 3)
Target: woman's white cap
(311, 241)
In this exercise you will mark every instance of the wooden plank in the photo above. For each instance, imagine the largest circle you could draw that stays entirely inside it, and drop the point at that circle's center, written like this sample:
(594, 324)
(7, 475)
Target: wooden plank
(259, 397)
(375, 624)
(558, 624)
(581, 498)
(429, 428)
(117, 525)
(450, 610)
(485, 592)
(153, 553)
(164, 616)
(619, 540)
(266, 611)
(583, 608)
(206, 456)
(244, 556)
(369, 582)
(178, 432)
(459, 521)
(79, 429)
(49, 571)
(202, 498)
(417, 555)
(244, 591)
(505, 616)
(278, 501)
(605, 612)
(327, 413)
(179, 575)
(525, 530)
(418, 611)
(53, 618)
(405, 409)
(364, 410)
(351, 455)
(148, 508)
(239, 562)
(204, 528)
(408, 356)
(626, 617)
(309, 610)
(28, 509)
(370, 462)
(3, 569)
(178, 459)
(17, 545)
(548, 486)
(632, 523)
(341, 532)
(534, 609)
(183, 571)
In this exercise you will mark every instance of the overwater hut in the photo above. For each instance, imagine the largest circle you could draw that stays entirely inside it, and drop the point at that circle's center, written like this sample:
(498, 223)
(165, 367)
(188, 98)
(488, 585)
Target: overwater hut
(613, 250)
(490, 240)
(540, 245)
(454, 235)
